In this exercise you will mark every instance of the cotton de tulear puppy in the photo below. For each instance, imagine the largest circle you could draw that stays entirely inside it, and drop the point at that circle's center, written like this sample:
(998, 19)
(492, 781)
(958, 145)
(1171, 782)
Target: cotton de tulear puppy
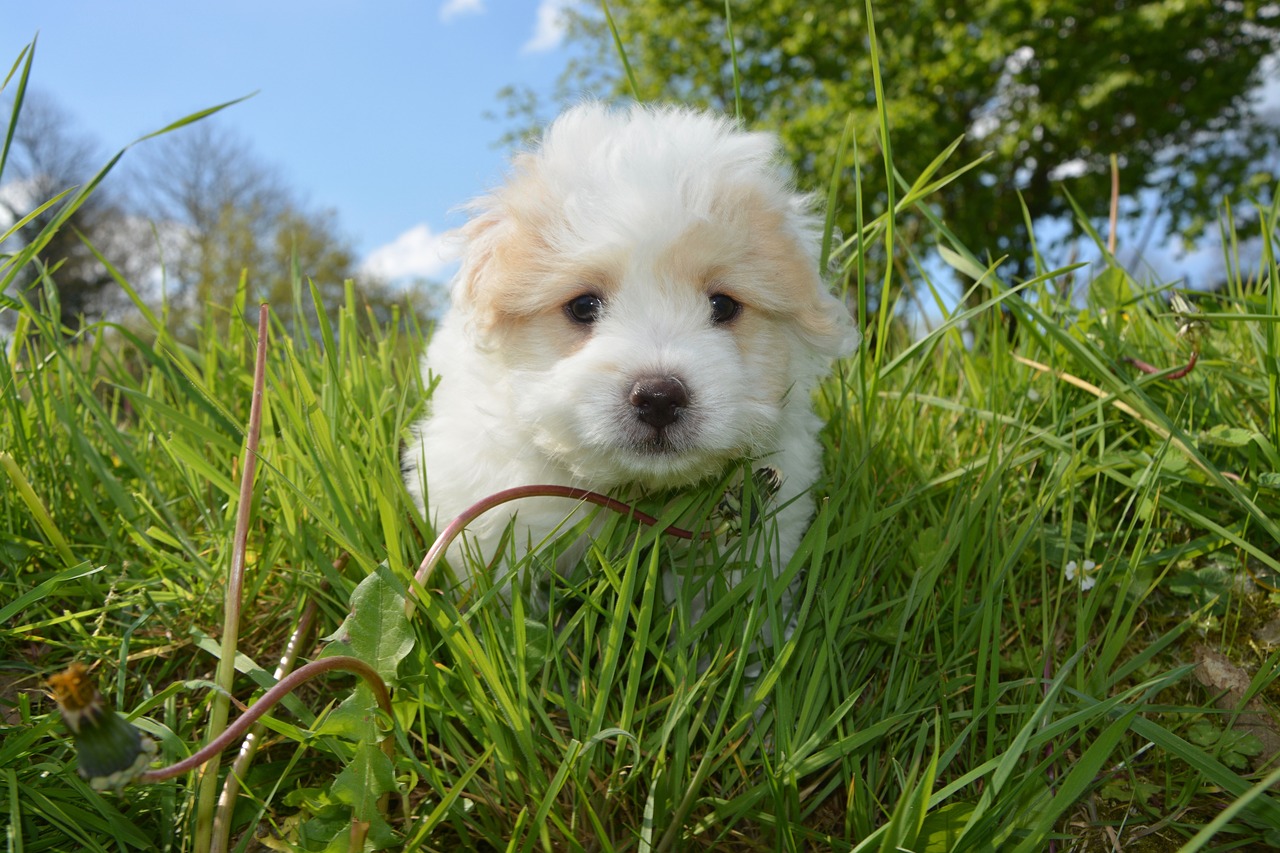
(639, 308)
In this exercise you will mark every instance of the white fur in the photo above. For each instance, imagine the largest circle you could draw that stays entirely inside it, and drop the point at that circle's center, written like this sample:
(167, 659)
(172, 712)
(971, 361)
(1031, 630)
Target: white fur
(654, 210)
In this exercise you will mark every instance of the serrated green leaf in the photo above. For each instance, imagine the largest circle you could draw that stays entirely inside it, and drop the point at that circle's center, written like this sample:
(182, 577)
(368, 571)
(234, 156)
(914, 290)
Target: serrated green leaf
(1203, 734)
(1111, 292)
(1227, 436)
(361, 785)
(355, 718)
(1174, 462)
(376, 630)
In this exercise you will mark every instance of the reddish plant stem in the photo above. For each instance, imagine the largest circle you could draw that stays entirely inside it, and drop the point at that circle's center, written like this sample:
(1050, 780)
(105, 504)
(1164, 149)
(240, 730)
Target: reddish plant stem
(1151, 370)
(249, 746)
(207, 815)
(235, 584)
(1115, 206)
(483, 505)
(268, 701)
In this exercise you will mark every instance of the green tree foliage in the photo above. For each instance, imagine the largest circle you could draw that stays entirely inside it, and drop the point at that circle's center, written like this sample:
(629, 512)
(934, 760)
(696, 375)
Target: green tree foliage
(1049, 89)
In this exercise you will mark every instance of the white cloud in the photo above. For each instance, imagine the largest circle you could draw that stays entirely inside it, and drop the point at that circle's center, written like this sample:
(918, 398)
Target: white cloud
(20, 194)
(549, 26)
(457, 8)
(1069, 169)
(417, 253)
(1266, 97)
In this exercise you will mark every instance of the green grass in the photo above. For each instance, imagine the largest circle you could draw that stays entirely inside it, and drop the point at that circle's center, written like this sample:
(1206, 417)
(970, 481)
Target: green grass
(948, 687)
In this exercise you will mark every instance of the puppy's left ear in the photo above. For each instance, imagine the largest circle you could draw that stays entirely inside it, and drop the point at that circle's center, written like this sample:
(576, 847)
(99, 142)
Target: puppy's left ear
(824, 318)
(785, 236)
(828, 324)
(505, 252)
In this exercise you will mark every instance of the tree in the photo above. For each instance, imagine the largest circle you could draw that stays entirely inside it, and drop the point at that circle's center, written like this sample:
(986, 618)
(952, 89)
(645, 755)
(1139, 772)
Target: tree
(1050, 88)
(224, 213)
(49, 156)
(200, 210)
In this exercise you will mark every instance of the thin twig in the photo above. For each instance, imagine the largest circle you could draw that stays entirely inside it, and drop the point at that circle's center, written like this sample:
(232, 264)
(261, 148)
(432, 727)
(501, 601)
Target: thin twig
(268, 701)
(1164, 434)
(482, 506)
(253, 739)
(1152, 370)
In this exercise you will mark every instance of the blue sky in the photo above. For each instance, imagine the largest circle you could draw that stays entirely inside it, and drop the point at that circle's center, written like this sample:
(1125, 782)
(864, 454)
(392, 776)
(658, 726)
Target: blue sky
(376, 110)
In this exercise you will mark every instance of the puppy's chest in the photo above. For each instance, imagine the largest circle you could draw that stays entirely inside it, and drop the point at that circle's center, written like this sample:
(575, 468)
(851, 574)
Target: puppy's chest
(709, 524)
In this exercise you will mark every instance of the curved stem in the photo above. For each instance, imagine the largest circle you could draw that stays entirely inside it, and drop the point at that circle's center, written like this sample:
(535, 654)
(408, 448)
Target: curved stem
(268, 701)
(480, 507)
(1151, 369)
(249, 746)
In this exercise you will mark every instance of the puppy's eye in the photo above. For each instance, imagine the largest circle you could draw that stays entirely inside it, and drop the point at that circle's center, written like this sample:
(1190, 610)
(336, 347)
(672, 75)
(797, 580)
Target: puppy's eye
(723, 308)
(585, 309)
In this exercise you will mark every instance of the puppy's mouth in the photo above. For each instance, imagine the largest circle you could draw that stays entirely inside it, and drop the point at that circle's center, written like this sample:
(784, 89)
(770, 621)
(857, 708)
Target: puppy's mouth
(658, 443)
(656, 431)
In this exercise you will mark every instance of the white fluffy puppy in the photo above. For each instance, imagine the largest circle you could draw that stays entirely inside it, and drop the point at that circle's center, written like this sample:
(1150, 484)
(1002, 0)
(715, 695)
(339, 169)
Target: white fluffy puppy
(639, 307)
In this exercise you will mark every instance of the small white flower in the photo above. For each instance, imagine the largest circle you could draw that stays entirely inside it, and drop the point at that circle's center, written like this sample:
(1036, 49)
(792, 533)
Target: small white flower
(1188, 315)
(1180, 305)
(1083, 575)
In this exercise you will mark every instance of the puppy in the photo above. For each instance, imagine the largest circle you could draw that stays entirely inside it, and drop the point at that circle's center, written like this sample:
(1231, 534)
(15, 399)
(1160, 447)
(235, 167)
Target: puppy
(639, 307)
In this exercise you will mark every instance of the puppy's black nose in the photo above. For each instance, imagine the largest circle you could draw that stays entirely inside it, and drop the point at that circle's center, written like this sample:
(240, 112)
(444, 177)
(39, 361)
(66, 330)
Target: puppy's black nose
(658, 401)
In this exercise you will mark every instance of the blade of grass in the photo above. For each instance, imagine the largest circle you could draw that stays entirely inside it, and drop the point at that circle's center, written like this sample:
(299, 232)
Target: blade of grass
(25, 58)
(622, 51)
(37, 509)
(733, 57)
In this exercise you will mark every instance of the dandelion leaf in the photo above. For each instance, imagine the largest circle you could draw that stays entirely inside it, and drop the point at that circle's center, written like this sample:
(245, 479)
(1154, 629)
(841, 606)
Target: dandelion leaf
(361, 785)
(376, 630)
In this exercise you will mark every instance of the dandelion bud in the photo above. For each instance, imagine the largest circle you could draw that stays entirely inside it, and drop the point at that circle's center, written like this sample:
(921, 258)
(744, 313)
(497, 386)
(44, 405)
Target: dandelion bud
(112, 751)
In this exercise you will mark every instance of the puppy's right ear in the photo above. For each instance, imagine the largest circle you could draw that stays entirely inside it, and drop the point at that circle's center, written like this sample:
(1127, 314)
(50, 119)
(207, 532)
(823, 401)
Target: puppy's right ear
(506, 251)
(471, 293)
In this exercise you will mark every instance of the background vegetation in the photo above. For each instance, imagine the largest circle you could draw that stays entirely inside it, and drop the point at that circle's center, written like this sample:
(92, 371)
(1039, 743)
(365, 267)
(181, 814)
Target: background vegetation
(182, 218)
(1038, 606)
(1045, 91)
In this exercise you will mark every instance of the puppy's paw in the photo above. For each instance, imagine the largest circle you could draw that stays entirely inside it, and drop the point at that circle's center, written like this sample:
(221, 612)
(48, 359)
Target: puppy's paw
(740, 508)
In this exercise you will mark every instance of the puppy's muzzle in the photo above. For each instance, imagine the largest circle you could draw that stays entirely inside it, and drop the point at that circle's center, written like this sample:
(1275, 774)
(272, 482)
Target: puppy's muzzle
(658, 401)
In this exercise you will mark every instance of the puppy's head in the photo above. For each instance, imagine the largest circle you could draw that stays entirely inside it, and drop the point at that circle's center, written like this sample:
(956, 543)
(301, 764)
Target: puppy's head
(649, 281)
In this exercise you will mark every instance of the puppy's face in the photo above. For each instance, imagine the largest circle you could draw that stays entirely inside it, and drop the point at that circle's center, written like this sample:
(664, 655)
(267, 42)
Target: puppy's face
(652, 316)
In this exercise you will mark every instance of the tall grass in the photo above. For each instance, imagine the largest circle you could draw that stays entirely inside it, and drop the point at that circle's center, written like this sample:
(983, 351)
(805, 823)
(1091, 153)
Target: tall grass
(948, 686)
